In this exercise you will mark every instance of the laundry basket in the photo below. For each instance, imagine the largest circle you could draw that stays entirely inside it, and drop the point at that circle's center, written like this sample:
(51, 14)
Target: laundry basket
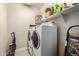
(72, 46)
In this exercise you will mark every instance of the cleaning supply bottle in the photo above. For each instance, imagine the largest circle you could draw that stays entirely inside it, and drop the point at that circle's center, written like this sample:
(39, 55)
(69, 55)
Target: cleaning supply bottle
(58, 8)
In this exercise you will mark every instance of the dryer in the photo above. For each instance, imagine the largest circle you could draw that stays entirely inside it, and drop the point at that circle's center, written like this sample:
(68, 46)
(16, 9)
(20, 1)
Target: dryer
(44, 40)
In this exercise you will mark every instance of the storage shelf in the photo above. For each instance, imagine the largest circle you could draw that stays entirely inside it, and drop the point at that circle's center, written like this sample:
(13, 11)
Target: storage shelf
(66, 11)
(52, 17)
(71, 9)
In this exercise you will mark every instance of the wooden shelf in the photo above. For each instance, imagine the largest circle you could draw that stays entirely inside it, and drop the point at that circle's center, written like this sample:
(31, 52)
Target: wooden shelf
(66, 11)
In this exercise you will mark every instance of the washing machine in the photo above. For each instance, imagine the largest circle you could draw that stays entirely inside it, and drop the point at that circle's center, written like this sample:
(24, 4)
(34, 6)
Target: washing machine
(29, 41)
(44, 40)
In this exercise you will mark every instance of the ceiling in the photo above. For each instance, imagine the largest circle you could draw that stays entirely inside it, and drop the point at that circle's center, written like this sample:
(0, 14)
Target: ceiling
(36, 5)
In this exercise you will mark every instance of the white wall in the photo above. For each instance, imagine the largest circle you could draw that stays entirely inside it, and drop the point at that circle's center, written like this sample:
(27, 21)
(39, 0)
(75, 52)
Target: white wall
(63, 24)
(3, 29)
(19, 19)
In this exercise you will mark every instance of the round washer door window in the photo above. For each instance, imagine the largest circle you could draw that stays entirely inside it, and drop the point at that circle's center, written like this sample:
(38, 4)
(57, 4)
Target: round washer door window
(35, 40)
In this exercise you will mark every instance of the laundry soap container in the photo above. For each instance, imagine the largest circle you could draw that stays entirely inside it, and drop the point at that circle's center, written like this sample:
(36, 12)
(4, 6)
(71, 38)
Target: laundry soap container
(58, 8)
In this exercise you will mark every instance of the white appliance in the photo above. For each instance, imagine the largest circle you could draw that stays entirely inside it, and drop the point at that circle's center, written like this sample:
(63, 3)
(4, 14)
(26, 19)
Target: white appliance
(29, 42)
(44, 40)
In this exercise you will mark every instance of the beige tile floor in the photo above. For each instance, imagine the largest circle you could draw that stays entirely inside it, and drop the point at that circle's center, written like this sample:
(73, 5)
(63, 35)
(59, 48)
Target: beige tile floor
(21, 52)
